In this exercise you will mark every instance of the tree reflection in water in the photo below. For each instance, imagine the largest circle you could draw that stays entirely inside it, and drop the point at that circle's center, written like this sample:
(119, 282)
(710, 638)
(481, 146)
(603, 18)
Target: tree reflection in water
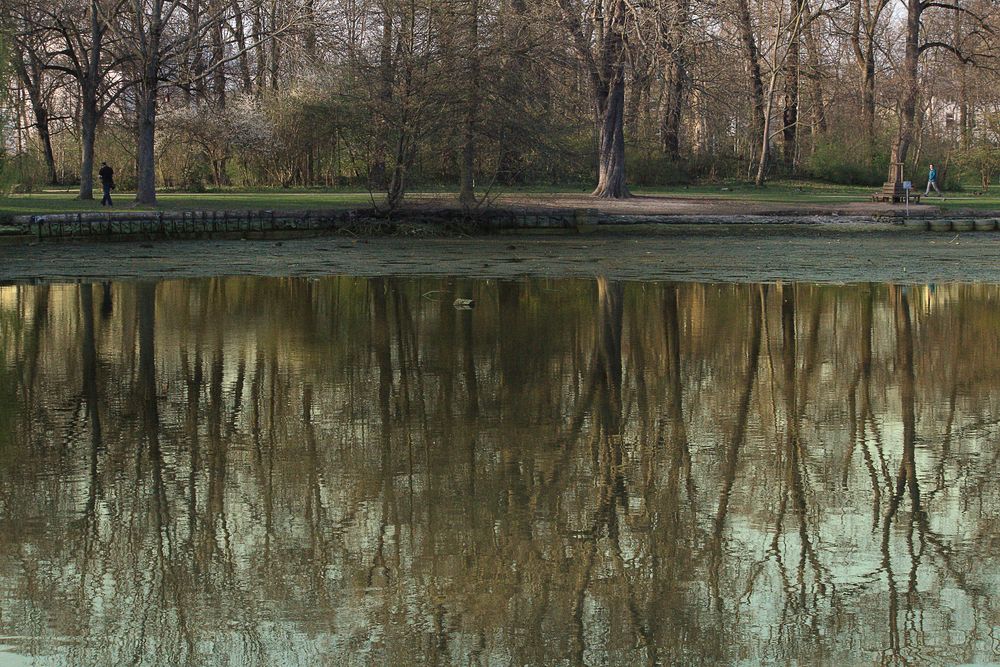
(284, 471)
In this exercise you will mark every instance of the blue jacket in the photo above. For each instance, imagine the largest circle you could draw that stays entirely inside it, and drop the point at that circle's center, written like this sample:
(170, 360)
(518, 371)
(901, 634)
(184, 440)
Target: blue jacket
(932, 176)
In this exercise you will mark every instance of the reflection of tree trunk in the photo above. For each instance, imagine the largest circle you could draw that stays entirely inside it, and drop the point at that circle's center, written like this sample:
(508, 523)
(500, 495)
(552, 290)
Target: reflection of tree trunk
(39, 320)
(215, 494)
(146, 396)
(680, 453)
(383, 357)
(91, 394)
(147, 359)
(89, 357)
(906, 479)
(732, 450)
(608, 369)
(193, 381)
(469, 365)
(859, 402)
(107, 305)
(792, 458)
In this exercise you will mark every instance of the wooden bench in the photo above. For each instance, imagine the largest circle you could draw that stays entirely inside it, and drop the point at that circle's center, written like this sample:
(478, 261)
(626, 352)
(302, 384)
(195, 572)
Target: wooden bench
(893, 195)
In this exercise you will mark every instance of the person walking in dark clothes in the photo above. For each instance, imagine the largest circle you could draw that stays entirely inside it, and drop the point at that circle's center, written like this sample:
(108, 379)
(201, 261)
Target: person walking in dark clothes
(107, 175)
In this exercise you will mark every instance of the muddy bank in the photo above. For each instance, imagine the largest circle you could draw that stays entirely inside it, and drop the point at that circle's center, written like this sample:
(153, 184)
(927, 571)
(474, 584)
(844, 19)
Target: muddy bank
(721, 253)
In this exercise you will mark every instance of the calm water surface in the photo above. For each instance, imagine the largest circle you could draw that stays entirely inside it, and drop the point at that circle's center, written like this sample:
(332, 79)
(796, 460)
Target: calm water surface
(254, 471)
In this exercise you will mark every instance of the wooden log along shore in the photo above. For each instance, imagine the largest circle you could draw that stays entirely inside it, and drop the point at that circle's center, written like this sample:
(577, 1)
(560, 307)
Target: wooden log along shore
(144, 225)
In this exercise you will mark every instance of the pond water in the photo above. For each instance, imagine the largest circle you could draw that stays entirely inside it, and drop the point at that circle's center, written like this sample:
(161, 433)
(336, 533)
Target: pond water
(275, 471)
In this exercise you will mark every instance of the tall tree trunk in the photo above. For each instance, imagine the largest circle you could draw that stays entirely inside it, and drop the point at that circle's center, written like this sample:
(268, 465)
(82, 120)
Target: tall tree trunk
(863, 31)
(29, 72)
(275, 54)
(378, 178)
(790, 111)
(90, 103)
(260, 56)
(908, 85)
(610, 103)
(676, 78)
(239, 32)
(752, 57)
(611, 140)
(88, 132)
(868, 99)
(146, 148)
(815, 76)
(45, 137)
(218, 57)
(467, 193)
(150, 22)
(601, 49)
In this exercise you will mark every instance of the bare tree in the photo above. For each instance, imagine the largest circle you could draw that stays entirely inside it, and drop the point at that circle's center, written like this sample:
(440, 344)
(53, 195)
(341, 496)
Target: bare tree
(597, 29)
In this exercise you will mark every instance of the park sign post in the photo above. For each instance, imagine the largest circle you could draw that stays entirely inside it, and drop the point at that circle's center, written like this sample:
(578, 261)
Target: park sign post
(907, 186)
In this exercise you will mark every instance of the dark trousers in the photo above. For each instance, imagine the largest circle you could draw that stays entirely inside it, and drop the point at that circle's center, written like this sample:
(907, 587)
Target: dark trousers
(107, 195)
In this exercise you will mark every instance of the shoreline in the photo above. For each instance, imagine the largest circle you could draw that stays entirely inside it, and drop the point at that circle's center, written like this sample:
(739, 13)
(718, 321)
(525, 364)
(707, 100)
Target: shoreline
(426, 220)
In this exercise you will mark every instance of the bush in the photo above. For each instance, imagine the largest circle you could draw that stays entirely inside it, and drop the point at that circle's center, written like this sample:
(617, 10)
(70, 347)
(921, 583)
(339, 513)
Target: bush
(194, 174)
(651, 170)
(845, 164)
(22, 173)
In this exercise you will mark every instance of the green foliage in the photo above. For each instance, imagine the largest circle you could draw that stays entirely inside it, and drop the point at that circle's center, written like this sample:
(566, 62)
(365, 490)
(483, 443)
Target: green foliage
(982, 157)
(649, 169)
(23, 173)
(847, 164)
(194, 174)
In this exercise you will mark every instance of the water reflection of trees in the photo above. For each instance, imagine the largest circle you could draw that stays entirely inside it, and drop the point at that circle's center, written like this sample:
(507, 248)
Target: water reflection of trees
(282, 470)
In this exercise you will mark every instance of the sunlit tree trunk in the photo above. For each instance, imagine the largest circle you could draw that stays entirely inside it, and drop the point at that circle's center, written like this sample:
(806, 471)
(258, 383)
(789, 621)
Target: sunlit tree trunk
(604, 60)
(751, 56)
(908, 84)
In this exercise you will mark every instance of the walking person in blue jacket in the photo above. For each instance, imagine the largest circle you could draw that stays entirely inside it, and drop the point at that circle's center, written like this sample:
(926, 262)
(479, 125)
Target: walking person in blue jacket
(932, 182)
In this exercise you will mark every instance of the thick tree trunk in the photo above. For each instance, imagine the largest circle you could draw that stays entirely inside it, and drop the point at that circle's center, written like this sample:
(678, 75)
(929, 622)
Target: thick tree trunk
(611, 142)
(147, 105)
(908, 84)
(45, 137)
(868, 101)
(604, 60)
(88, 131)
(90, 109)
(146, 156)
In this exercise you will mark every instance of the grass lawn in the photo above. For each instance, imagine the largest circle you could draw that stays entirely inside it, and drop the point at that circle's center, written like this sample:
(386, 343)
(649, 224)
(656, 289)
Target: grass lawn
(785, 192)
(62, 201)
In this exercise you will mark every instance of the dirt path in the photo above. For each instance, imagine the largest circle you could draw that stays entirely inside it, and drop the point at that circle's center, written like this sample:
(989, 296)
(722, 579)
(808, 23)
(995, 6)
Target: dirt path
(744, 254)
(674, 205)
